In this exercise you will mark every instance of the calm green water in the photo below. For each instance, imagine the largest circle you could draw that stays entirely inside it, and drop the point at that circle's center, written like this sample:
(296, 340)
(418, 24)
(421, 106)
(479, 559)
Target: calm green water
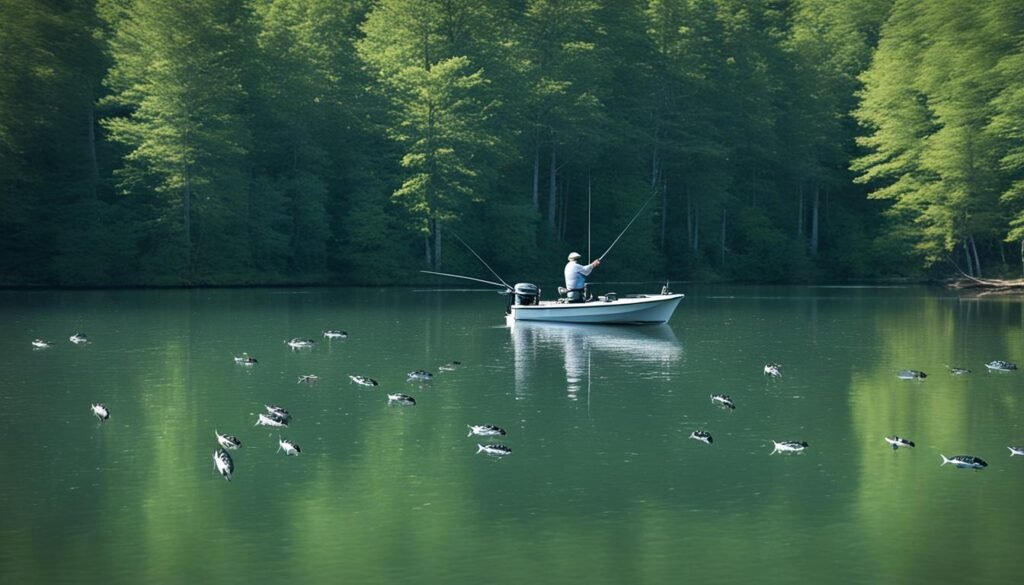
(603, 485)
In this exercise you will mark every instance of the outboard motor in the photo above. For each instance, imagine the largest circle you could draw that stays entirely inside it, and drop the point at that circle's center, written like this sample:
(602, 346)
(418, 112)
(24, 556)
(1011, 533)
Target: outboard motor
(526, 294)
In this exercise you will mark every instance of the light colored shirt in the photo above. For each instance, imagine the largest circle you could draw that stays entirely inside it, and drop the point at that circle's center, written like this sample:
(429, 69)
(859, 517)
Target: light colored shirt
(576, 275)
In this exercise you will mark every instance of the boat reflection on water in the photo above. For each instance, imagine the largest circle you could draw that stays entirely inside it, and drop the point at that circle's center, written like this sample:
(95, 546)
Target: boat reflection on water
(654, 347)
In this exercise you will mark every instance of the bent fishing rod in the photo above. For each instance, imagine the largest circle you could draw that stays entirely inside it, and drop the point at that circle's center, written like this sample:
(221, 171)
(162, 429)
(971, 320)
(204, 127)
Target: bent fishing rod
(502, 285)
(481, 260)
(601, 257)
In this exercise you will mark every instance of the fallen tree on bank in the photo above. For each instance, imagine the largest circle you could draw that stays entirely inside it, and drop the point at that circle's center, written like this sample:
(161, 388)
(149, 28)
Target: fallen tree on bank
(987, 285)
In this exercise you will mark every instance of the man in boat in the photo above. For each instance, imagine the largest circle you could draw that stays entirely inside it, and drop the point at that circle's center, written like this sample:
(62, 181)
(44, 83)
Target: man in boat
(576, 277)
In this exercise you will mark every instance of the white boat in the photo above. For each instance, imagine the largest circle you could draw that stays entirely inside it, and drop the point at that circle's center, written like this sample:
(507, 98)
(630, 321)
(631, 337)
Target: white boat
(525, 305)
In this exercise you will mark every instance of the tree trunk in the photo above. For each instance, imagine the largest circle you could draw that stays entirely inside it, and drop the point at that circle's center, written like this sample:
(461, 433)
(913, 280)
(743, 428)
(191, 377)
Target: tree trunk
(94, 166)
(814, 222)
(536, 177)
(695, 244)
(664, 213)
(437, 245)
(563, 216)
(800, 212)
(970, 263)
(552, 192)
(977, 262)
(689, 220)
(187, 219)
(721, 243)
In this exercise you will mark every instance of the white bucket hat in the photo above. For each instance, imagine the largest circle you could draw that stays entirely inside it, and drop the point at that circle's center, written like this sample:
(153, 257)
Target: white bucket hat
(574, 256)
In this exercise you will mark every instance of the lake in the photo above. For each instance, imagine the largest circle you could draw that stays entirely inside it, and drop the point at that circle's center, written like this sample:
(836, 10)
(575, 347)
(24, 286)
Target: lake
(603, 484)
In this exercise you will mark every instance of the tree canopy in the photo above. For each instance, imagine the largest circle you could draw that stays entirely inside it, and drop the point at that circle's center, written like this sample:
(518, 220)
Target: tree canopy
(155, 142)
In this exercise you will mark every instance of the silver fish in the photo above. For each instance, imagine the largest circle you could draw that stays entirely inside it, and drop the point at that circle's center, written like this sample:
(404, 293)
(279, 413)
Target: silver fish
(270, 421)
(223, 464)
(450, 366)
(288, 447)
(1014, 451)
(723, 400)
(485, 430)
(41, 343)
(298, 343)
(228, 441)
(335, 334)
(1001, 366)
(911, 375)
(897, 442)
(78, 338)
(402, 399)
(419, 376)
(964, 461)
(100, 411)
(363, 380)
(788, 447)
(493, 449)
(308, 379)
(277, 412)
(773, 370)
(959, 371)
(245, 359)
(702, 436)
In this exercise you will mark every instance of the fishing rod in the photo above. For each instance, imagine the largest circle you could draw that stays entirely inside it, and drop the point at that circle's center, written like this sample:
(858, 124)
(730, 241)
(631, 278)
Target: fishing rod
(601, 257)
(589, 257)
(480, 259)
(503, 285)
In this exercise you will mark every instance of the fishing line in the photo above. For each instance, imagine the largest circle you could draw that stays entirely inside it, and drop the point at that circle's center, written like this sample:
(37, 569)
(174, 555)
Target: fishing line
(601, 257)
(467, 278)
(589, 257)
(480, 259)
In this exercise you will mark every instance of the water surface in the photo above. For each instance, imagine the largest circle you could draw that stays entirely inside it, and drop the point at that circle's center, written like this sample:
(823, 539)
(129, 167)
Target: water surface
(603, 484)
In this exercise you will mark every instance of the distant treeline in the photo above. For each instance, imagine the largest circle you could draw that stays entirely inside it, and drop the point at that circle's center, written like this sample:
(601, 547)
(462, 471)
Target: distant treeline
(162, 142)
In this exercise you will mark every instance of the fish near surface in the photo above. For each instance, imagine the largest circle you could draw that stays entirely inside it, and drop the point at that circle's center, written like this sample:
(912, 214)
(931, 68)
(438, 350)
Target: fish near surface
(485, 430)
(270, 421)
(897, 442)
(788, 447)
(223, 464)
(419, 376)
(277, 412)
(723, 400)
(288, 447)
(401, 399)
(100, 411)
(450, 366)
(1001, 366)
(702, 436)
(228, 441)
(964, 461)
(494, 449)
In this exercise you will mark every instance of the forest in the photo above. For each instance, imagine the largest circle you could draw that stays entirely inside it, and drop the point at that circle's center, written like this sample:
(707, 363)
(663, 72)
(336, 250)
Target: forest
(358, 142)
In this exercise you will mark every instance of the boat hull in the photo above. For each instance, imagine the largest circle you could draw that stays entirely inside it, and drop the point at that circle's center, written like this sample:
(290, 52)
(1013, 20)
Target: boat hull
(638, 310)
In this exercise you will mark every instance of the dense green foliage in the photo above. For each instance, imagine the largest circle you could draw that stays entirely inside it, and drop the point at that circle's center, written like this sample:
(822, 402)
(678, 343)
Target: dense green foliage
(157, 142)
